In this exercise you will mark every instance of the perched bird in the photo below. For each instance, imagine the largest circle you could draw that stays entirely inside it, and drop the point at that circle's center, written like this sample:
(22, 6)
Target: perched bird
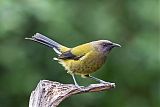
(83, 59)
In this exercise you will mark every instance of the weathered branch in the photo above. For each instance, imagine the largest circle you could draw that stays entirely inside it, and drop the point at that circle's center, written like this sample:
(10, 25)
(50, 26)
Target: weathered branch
(50, 94)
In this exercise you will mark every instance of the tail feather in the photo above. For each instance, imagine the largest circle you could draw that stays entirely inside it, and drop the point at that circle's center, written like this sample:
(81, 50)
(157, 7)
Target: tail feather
(46, 41)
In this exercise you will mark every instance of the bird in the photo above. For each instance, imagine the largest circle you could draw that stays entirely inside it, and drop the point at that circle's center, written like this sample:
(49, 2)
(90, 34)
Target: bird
(80, 60)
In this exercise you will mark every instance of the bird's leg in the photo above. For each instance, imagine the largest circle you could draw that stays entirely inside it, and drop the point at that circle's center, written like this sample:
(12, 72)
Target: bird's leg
(96, 79)
(75, 82)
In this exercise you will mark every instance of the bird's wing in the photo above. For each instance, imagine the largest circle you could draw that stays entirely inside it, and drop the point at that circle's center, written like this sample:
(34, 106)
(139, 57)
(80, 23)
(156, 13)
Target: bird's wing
(69, 55)
(77, 52)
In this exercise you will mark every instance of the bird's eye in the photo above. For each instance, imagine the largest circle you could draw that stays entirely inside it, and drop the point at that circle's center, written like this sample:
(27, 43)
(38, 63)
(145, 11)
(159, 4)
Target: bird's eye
(104, 44)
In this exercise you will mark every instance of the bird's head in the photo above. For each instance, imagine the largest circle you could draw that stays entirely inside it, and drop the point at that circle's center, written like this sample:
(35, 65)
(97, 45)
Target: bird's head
(104, 46)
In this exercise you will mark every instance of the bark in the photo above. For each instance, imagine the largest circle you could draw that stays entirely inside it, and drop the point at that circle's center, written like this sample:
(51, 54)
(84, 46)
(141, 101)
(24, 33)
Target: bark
(51, 94)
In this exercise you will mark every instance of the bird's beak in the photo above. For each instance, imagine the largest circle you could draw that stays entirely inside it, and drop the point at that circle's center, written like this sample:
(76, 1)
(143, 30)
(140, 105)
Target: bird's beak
(116, 45)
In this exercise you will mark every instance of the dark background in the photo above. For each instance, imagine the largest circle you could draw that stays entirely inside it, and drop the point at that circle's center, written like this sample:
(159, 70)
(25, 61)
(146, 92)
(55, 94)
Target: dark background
(135, 68)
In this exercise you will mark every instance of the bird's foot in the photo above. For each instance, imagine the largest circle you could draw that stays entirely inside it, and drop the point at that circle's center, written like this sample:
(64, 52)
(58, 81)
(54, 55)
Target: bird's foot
(80, 87)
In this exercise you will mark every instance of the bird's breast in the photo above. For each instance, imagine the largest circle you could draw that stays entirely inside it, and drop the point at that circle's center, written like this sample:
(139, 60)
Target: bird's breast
(85, 65)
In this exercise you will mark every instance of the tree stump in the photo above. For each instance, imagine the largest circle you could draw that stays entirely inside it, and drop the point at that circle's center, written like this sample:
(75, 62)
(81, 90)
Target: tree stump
(51, 94)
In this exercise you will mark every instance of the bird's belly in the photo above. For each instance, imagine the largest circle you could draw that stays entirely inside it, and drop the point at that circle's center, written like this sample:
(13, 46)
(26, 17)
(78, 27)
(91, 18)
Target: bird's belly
(85, 66)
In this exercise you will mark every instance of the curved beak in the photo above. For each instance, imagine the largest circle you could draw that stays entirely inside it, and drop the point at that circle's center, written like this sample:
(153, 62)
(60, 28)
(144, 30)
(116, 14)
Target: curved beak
(116, 45)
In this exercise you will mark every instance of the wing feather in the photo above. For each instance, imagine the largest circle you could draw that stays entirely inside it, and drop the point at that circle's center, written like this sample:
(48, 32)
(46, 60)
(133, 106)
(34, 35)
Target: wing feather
(69, 55)
(77, 52)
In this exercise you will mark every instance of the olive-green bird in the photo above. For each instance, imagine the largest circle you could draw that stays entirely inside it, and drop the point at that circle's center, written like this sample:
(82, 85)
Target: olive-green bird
(83, 59)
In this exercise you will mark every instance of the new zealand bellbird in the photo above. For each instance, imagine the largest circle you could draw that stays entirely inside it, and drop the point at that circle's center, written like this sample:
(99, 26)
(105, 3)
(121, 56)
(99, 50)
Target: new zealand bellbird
(83, 59)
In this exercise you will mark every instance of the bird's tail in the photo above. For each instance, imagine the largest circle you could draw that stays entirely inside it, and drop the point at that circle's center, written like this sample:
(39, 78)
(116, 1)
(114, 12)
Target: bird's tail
(58, 48)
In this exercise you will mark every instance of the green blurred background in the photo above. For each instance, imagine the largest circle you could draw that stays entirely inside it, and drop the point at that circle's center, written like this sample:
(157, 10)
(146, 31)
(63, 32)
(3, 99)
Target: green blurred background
(135, 68)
